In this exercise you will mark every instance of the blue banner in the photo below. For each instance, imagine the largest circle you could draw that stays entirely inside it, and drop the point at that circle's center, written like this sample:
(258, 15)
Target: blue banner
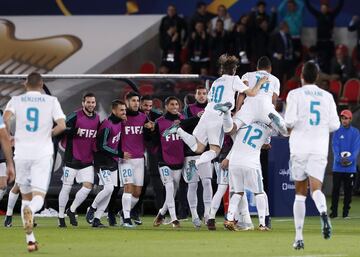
(281, 188)
(185, 7)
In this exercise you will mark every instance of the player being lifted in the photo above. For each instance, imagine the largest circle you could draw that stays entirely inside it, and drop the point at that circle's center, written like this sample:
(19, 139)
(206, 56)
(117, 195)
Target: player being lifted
(34, 114)
(260, 107)
(79, 142)
(222, 96)
(310, 116)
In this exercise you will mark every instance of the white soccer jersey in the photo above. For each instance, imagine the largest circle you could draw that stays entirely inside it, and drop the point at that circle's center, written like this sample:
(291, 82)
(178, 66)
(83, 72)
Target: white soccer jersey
(247, 145)
(311, 113)
(34, 116)
(223, 90)
(267, 89)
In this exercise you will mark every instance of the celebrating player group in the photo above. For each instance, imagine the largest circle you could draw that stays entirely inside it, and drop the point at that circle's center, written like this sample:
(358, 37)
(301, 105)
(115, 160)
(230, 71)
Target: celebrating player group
(224, 130)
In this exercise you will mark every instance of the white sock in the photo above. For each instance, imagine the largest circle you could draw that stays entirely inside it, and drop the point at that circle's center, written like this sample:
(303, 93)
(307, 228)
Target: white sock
(244, 210)
(2, 193)
(299, 210)
(23, 204)
(192, 199)
(189, 139)
(102, 206)
(205, 157)
(233, 206)
(126, 204)
(261, 208)
(11, 203)
(79, 198)
(216, 201)
(63, 199)
(207, 195)
(134, 201)
(320, 201)
(170, 202)
(30, 238)
(227, 122)
(164, 209)
(36, 203)
(267, 213)
(103, 194)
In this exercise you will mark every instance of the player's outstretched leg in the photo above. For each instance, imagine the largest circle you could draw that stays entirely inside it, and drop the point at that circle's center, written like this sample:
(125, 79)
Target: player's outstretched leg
(223, 107)
(278, 123)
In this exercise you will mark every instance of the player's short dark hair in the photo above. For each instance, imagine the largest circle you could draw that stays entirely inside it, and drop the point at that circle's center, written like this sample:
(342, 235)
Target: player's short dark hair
(88, 94)
(310, 72)
(200, 87)
(200, 4)
(34, 80)
(263, 63)
(171, 98)
(227, 64)
(115, 103)
(146, 98)
(131, 95)
(261, 3)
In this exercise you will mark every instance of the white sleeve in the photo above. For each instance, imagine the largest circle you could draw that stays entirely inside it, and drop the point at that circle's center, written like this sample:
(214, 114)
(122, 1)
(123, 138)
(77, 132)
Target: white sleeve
(57, 112)
(245, 77)
(291, 110)
(334, 121)
(238, 85)
(10, 106)
(277, 87)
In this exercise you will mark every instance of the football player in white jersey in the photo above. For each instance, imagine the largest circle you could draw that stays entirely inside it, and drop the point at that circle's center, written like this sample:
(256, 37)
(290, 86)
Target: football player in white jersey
(210, 128)
(261, 106)
(310, 116)
(245, 170)
(35, 114)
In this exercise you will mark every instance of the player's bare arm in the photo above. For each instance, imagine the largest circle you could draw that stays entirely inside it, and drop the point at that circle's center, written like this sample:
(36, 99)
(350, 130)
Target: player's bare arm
(59, 128)
(253, 91)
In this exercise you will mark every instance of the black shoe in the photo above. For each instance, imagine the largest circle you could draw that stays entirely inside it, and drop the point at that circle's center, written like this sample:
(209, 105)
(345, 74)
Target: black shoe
(97, 223)
(72, 217)
(325, 226)
(62, 223)
(136, 218)
(333, 215)
(299, 244)
(268, 221)
(112, 219)
(8, 222)
(128, 224)
(90, 214)
(345, 214)
(34, 223)
(211, 224)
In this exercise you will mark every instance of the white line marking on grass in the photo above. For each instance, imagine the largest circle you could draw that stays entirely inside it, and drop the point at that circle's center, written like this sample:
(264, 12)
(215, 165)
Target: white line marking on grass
(320, 255)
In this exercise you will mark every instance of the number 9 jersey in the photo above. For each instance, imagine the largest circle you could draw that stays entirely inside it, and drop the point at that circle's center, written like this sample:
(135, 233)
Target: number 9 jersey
(35, 114)
(312, 115)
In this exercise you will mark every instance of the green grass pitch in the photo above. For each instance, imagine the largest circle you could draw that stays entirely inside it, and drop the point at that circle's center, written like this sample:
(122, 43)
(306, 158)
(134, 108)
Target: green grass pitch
(164, 241)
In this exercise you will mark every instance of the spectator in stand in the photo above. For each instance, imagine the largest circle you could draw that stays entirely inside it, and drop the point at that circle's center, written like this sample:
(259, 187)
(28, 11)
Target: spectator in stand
(260, 41)
(171, 47)
(346, 145)
(325, 25)
(292, 11)
(240, 44)
(224, 16)
(324, 83)
(282, 53)
(341, 65)
(201, 15)
(219, 44)
(258, 14)
(186, 68)
(354, 25)
(173, 19)
(199, 49)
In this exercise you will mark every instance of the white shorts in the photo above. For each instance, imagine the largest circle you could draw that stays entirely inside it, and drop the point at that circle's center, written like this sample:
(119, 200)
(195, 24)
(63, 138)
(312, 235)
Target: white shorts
(221, 174)
(210, 130)
(168, 175)
(241, 178)
(107, 177)
(132, 171)
(303, 166)
(33, 175)
(81, 175)
(204, 170)
(3, 169)
(254, 111)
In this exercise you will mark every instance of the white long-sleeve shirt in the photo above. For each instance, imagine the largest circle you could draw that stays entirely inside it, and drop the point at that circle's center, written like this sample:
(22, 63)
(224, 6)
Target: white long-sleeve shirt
(311, 114)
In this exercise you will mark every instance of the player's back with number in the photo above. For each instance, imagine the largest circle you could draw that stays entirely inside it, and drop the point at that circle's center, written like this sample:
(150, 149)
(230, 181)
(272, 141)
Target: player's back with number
(35, 114)
(311, 112)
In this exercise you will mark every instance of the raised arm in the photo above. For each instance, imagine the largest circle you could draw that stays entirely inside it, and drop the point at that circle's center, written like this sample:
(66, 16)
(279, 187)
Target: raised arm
(253, 91)
(311, 9)
(338, 7)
